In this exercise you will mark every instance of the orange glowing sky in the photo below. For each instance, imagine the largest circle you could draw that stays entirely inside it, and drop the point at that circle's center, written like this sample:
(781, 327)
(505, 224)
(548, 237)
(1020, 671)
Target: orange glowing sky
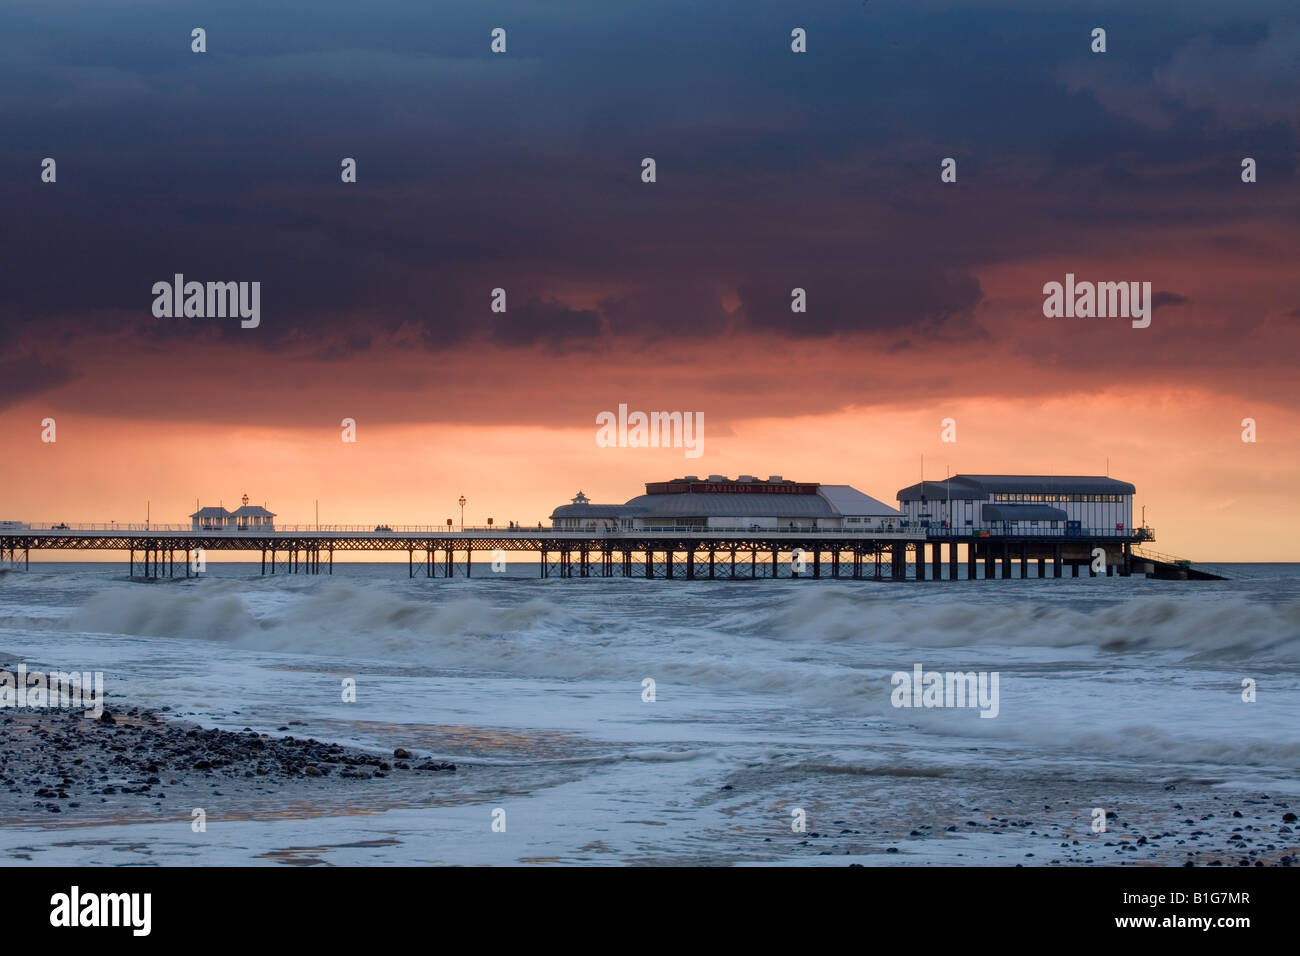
(1181, 446)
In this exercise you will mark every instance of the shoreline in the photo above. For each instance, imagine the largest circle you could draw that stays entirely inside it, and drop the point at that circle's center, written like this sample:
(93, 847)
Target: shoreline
(136, 766)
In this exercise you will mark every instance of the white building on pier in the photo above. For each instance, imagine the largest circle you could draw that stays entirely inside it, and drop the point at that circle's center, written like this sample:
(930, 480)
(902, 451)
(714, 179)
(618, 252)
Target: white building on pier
(1020, 504)
(244, 518)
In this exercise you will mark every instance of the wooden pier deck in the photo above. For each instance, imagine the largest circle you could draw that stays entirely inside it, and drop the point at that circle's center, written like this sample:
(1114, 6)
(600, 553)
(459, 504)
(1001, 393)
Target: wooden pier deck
(683, 553)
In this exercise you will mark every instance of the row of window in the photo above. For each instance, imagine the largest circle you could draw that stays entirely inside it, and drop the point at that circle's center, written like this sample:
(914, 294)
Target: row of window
(1033, 524)
(1019, 497)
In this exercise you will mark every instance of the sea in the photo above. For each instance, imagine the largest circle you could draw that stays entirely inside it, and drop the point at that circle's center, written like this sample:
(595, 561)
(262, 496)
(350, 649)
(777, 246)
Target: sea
(626, 721)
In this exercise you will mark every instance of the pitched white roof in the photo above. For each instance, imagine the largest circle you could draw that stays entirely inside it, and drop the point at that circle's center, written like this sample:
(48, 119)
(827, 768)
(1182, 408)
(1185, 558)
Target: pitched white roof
(847, 500)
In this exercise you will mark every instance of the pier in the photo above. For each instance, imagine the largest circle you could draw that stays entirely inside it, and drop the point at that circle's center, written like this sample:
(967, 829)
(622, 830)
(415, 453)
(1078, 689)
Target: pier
(670, 553)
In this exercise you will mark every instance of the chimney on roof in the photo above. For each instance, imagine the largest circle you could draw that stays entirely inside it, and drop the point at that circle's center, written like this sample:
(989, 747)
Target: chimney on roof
(775, 478)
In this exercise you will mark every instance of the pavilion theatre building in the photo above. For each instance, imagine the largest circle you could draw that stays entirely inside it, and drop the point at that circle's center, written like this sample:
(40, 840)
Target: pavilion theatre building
(746, 503)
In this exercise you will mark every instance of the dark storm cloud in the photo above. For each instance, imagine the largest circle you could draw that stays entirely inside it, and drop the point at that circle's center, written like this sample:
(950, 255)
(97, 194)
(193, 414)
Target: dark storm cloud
(675, 306)
(907, 297)
(522, 171)
(1162, 299)
(30, 375)
(547, 323)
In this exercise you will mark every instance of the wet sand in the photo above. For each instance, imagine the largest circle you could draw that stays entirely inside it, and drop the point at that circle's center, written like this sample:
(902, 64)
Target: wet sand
(1007, 819)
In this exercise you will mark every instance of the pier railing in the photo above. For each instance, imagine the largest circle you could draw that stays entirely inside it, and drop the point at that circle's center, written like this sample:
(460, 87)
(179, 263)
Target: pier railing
(1153, 555)
(1040, 532)
(472, 531)
(442, 531)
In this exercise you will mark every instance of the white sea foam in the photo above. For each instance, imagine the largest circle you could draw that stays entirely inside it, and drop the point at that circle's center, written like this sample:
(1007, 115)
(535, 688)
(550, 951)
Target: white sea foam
(480, 629)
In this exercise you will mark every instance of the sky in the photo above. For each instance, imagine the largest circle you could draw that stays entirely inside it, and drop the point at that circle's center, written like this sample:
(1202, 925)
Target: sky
(522, 171)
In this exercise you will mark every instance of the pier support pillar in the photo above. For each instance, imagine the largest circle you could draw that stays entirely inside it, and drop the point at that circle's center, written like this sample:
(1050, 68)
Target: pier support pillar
(1006, 560)
(1024, 560)
(937, 567)
(1042, 567)
(920, 560)
(1056, 562)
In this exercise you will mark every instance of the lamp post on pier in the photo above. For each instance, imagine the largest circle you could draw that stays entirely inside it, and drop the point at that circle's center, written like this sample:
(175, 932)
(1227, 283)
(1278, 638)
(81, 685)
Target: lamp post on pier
(462, 512)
